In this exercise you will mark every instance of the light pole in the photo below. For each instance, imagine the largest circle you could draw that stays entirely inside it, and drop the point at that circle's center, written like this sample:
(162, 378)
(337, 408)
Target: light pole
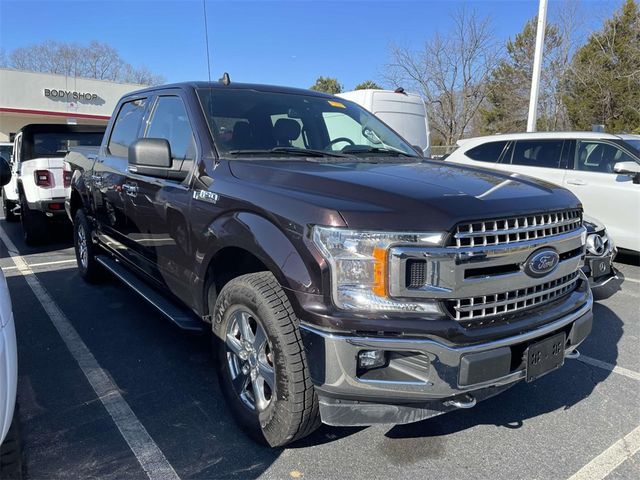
(537, 66)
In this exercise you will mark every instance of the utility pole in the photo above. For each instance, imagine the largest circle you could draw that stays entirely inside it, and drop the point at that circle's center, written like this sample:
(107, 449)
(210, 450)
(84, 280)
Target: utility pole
(537, 66)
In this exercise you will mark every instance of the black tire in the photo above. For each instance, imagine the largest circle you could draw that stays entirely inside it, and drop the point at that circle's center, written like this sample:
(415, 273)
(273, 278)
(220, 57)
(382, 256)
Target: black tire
(8, 206)
(34, 224)
(11, 451)
(88, 267)
(292, 412)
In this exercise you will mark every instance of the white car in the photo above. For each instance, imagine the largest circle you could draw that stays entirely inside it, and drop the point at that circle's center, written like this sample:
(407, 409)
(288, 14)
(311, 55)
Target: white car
(601, 169)
(8, 363)
(39, 183)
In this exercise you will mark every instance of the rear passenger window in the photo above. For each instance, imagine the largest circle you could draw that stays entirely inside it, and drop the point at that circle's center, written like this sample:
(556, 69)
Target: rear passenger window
(538, 153)
(487, 152)
(126, 127)
(170, 121)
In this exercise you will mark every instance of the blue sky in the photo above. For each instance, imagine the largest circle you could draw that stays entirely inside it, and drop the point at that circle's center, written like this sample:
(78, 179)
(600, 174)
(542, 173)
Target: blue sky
(286, 43)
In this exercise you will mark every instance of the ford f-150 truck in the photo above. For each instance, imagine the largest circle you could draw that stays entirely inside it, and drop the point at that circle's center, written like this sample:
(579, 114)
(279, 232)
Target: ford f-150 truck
(345, 278)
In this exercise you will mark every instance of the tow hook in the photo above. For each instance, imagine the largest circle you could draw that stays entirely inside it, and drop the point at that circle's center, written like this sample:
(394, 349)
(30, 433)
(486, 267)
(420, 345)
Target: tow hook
(463, 401)
(573, 354)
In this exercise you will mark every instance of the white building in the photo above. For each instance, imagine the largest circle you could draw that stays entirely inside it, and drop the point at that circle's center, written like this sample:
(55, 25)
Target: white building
(30, 97)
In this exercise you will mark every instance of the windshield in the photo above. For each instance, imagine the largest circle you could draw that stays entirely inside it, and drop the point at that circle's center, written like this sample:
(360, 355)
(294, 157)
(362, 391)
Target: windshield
(55, 144)
(244, 121)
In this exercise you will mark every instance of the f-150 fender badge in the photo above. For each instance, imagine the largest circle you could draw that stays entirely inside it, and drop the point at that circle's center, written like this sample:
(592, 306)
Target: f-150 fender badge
(205, 196)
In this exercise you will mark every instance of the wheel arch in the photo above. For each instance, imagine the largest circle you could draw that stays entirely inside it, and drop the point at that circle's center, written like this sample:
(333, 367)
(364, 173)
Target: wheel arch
(245, 242)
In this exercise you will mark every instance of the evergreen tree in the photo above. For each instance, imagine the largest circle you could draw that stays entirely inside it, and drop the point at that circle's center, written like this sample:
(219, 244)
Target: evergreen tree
(603, 85)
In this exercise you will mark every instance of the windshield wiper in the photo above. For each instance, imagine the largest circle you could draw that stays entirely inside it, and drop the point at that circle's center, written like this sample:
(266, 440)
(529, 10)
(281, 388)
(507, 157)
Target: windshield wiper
(302, 152)
(386, 151)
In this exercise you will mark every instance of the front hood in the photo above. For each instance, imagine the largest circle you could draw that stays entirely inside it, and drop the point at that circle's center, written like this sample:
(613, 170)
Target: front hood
(412, 196)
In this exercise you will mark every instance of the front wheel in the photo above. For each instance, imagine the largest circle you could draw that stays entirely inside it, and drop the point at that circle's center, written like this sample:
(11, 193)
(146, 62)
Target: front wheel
(262, 364)
(88, 267)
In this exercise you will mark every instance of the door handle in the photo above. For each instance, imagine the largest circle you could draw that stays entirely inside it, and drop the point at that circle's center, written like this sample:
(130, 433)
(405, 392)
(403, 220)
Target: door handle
(130, 189)
(575, 181)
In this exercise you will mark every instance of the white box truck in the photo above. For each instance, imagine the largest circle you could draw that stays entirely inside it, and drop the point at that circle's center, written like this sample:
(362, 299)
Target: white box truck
(405, 112)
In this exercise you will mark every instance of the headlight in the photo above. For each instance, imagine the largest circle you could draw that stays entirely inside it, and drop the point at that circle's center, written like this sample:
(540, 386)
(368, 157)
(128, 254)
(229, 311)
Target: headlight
(359, 267)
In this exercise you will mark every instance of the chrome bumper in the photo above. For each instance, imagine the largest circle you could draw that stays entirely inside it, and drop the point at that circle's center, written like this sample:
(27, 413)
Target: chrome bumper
(433, 380)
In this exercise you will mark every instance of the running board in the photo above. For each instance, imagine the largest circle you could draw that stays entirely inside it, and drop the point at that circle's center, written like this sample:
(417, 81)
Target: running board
(181, 316)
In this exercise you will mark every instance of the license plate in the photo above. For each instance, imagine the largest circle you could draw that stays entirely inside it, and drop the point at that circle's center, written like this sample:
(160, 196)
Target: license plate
(545, 356)
(599, 267)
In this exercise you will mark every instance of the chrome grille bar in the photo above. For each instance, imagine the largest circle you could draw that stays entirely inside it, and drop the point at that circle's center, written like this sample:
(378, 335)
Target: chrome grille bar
(516, 229)
(479, 309)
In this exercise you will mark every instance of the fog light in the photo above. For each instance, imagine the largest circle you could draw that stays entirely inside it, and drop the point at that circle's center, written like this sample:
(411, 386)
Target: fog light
(368, 359)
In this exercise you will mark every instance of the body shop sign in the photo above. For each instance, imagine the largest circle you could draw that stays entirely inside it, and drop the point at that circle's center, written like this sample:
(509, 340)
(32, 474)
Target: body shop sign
(70, 95)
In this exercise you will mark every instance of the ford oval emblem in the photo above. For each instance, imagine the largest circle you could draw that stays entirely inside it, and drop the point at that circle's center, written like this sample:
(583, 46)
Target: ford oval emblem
(541, 262)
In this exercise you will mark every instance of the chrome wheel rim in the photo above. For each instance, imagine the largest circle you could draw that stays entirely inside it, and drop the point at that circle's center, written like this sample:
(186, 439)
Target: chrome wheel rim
(83, 254)
(250, 360)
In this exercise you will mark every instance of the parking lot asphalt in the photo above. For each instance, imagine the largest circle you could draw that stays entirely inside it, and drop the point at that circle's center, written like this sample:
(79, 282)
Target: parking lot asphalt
(582, 421)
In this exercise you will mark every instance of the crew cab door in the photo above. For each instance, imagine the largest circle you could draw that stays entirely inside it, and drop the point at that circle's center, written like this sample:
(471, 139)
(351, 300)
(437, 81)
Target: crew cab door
(610, 197)
(158, 204)
(109, 175)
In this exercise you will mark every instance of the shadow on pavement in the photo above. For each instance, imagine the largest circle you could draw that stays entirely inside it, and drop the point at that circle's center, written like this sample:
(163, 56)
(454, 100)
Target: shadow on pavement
(59, 236)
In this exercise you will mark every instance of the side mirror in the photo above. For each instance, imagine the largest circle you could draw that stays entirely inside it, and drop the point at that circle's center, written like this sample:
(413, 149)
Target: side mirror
(418, 150)
(628, 168)
(5, 171)
(150, 156)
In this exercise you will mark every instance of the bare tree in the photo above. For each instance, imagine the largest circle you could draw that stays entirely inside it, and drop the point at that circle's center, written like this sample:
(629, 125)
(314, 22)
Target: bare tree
(96, 60)
(450, 72)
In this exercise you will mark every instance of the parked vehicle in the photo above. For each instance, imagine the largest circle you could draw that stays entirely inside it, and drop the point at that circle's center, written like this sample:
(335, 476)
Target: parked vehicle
(600, 169)
(9, 441)
(39, 183)
(404, 112)
(345, 278)
(601, 251)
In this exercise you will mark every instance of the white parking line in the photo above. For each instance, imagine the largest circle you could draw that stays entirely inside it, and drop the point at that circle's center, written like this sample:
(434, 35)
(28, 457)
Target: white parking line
(43, 264)
(612, 457)
(148, 454)
(627, 279)
(607, 366)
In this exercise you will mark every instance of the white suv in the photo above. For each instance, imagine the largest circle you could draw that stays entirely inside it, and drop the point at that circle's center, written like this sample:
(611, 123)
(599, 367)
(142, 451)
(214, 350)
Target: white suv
(602, 170)
(39, 183)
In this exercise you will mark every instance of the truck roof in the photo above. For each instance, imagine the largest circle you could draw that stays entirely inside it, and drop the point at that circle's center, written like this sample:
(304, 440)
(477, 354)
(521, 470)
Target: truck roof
(540, 136)
(60, 128)
(217, 85)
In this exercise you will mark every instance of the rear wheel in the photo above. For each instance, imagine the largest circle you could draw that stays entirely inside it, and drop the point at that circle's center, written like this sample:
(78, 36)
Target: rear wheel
(262, 365)
(8, 206)
(34, 223)
(88, 267)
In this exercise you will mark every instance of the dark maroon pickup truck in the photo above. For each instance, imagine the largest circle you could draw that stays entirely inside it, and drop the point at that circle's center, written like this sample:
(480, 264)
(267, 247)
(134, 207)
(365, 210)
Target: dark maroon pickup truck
(346, 279)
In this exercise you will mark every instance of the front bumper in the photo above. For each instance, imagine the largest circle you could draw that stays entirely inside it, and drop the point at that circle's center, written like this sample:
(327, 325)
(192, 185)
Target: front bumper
(423, 377)
(599, 269)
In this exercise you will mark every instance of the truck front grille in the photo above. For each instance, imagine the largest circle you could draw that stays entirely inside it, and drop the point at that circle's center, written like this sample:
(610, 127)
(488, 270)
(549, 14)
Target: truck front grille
(485, 309)
(516, 229)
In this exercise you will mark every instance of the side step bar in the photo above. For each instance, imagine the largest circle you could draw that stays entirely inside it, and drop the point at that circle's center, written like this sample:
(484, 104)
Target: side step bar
(181, 316)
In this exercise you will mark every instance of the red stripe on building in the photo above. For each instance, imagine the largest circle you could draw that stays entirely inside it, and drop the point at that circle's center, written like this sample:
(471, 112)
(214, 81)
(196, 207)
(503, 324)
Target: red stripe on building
(54, 114)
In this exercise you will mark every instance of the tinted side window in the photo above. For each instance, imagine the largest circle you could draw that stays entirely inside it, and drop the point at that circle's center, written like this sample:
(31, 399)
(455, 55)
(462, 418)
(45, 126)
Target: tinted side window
(594, 156)
(538, 153)
(126, 127)
(170, 121)
(487, 152)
